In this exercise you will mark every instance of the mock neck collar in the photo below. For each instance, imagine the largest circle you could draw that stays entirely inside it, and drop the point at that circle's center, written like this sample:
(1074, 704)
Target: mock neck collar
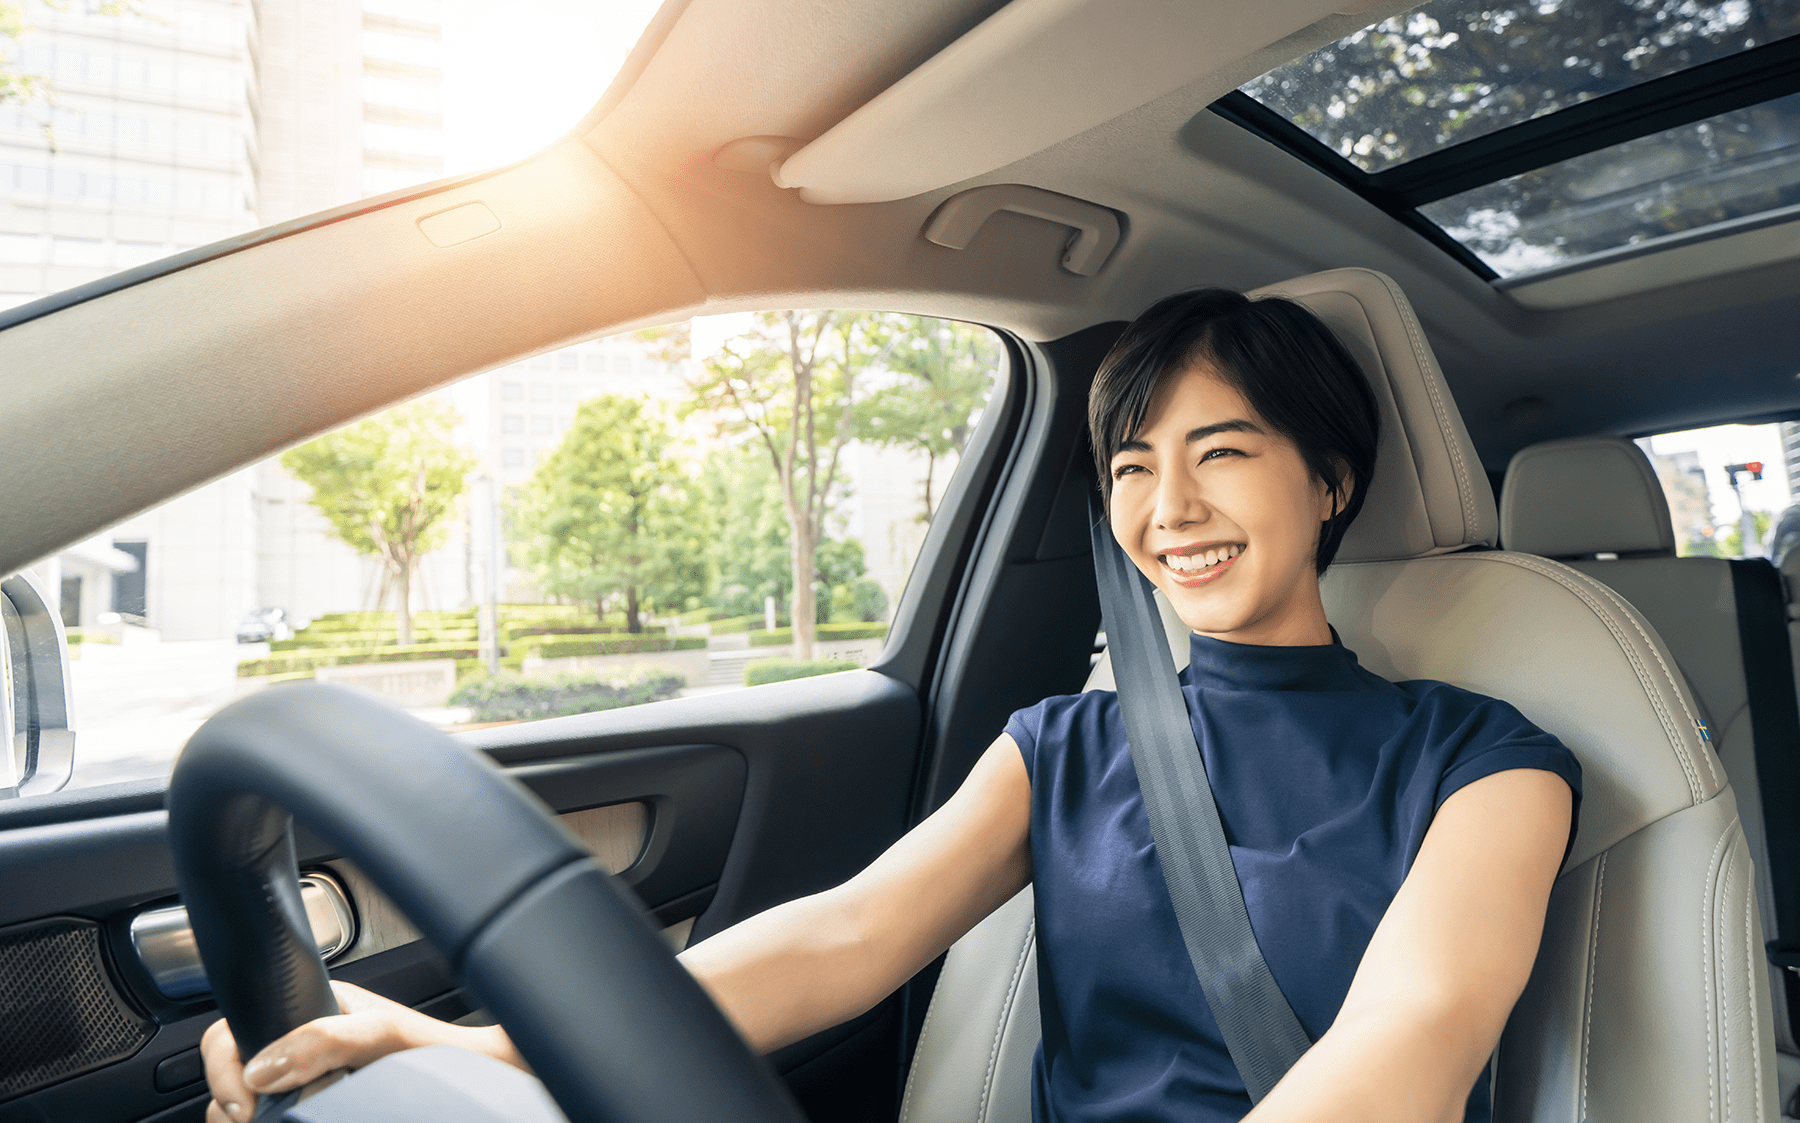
(1217, 664)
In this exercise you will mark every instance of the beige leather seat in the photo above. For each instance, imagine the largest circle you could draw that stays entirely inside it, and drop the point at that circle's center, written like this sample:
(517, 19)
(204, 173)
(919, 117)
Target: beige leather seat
(1584, 496)
(1649, 1000)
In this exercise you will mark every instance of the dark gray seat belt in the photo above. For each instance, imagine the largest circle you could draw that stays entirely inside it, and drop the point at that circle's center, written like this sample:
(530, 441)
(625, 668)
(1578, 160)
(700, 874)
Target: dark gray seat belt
(1260, 1029)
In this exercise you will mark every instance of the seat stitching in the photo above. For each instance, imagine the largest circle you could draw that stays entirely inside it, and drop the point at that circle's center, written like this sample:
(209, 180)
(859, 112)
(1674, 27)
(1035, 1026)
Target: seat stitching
(912, 1074)
(1693, 719)
(1751, 962)
(1706, 970)
(1721, 968)
(1583, 587)
(1465, 491)
(1006, 1006)
(1587, 1017)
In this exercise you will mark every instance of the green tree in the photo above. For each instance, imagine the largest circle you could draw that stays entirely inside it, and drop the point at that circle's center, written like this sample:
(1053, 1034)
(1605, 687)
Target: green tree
(17, 87)
(947, 371)
(1731, 543)
(791, 385)
(751, 555)
(611, 512)
(386, 483)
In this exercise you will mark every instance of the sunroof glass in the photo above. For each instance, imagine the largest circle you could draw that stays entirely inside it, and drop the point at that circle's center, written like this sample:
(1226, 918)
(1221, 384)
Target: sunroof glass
(1734, 165)
(1450, 71)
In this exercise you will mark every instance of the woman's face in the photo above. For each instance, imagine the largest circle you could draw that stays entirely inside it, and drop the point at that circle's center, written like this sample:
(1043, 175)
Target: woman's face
(1221, 513)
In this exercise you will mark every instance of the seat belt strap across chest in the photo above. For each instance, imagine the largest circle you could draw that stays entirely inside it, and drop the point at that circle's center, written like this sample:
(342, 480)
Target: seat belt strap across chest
(1260, 1029)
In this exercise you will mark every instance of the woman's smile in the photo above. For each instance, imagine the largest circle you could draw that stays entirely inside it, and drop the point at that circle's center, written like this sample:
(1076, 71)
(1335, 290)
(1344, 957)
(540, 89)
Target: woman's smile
(1194, 566)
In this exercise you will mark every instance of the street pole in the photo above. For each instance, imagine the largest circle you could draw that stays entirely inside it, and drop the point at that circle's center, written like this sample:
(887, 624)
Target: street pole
(487, 499)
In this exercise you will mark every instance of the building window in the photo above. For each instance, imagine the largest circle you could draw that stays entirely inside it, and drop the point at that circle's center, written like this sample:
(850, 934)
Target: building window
(621, 364)
(568, 360)
(513, 458)
(596, 363)
(512, 391)
(512, 423)
(565, 392)
(540, 362)
(540, 425)
(540, 391)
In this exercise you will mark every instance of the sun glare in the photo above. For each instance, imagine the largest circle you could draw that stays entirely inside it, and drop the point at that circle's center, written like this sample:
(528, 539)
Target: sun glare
(519, 75)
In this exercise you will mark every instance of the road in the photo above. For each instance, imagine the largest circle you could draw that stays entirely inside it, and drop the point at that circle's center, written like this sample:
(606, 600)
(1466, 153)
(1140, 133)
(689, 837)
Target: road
(136, 705)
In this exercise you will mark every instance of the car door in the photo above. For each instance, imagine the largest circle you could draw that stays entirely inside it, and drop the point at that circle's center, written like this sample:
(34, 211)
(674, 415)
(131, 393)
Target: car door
(711, 808)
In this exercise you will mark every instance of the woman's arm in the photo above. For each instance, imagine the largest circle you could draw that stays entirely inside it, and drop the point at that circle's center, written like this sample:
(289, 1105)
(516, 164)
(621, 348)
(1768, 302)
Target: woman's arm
(1445, 966)
(779, 976)
(800, 967)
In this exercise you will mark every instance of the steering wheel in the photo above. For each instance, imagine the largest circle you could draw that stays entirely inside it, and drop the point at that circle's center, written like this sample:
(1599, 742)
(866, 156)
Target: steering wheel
(565, 957)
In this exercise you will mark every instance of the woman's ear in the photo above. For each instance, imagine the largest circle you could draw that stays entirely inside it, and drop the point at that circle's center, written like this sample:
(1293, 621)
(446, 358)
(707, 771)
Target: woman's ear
(1332, 502)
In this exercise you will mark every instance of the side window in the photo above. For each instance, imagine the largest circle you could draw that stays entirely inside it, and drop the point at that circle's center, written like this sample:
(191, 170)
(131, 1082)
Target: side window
(726, 502)
(1729, 486)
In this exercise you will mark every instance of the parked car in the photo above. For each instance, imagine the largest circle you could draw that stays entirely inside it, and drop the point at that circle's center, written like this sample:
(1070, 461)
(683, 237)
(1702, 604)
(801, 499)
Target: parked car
(261, 625)
(1605, 246)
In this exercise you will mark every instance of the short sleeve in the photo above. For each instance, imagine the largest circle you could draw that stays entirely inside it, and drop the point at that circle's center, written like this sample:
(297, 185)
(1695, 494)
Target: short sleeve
(1025, 727)
(1498, 738)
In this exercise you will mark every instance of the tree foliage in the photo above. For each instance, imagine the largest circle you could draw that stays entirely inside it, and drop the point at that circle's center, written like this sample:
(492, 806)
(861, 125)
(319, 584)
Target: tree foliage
(946, 371)
(1451, 71)
(386, 484)
(791, 387)
(612, 512)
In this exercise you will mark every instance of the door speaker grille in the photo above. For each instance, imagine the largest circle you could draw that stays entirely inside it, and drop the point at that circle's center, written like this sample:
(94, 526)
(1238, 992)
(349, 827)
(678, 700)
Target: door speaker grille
(59, 1012)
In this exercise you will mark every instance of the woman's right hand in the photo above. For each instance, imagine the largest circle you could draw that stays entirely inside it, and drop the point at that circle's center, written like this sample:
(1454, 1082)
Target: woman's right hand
(370, 1028)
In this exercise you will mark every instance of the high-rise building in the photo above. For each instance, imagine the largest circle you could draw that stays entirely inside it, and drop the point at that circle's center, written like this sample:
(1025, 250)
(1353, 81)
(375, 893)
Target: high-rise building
(159, 132)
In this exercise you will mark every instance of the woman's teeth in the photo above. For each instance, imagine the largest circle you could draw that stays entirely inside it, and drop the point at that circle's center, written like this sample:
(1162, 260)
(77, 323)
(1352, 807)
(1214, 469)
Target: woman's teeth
(1205, 559)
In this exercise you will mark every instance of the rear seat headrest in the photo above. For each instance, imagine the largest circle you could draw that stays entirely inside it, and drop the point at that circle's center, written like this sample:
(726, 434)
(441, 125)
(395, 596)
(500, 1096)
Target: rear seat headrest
(1583, 496)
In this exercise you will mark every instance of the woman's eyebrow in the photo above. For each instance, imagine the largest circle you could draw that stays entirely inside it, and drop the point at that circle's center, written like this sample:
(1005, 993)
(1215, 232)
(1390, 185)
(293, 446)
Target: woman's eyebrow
(1235, 425)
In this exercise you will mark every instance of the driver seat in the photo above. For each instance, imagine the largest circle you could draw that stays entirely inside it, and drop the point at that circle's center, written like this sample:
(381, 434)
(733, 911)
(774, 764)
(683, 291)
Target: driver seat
(1649, 999)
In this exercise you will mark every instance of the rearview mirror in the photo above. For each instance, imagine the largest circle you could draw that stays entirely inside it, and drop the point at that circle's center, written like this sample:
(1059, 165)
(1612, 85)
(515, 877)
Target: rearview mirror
(39, 752)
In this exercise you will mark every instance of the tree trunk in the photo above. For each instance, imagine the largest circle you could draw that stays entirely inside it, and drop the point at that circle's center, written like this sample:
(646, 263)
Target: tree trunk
(633, 623)
(406, 629)
(802, 606)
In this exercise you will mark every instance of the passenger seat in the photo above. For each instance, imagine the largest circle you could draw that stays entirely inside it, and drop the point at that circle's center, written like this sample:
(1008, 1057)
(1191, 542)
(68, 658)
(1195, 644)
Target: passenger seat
(1595, 504)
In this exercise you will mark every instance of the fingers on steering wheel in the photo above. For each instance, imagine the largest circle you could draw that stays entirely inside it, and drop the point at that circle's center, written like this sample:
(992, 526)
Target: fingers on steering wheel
(224, 1075)
(319, 1047)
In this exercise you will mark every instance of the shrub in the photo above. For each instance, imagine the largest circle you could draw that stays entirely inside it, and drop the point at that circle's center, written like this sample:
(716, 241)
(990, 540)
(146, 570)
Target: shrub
(77, 636)
(509, 697)
(557, 648)
(782, 636)
(868, 601)
(761, 671)
(731, 625)
(328, 657)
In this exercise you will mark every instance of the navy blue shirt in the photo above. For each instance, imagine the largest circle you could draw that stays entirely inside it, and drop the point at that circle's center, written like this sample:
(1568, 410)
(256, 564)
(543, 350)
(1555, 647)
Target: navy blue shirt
(1326, 776)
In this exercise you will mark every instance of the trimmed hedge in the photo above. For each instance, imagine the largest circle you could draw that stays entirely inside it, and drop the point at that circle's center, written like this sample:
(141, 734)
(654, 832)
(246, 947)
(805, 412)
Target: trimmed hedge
(614, 645)
(521, 631)
(731, 625)
(761, 671)
(312, 660)
(782, 636)
(513, 698)
(77, 636)
(308, 640)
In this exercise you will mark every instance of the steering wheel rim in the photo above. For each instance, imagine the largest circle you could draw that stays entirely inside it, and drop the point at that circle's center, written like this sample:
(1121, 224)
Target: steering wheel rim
(565, 958)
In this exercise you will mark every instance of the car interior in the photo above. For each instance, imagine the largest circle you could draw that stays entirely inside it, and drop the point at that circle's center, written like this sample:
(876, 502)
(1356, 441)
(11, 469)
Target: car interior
(1047, 168)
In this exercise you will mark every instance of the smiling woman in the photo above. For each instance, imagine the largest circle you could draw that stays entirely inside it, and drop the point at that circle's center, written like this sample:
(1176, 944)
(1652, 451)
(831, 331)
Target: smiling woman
(1263, 436)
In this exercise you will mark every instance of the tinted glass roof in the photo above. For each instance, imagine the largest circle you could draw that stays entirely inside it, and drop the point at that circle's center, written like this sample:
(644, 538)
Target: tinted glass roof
(1731, 166)
(1451, 70)
(1530, 134)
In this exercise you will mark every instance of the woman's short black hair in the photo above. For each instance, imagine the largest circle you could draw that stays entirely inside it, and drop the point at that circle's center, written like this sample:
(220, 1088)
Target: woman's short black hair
(1295, 373)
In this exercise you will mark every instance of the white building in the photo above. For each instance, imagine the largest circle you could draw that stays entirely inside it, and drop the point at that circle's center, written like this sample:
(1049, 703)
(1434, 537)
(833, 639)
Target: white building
(201, 120)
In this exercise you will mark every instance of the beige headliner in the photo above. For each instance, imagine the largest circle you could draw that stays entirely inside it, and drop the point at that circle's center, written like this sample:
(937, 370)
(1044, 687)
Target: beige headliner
(123, 400)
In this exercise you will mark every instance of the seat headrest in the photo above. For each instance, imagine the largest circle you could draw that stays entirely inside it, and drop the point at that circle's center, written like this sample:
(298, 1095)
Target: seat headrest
(1582, 496)
(1429, 494)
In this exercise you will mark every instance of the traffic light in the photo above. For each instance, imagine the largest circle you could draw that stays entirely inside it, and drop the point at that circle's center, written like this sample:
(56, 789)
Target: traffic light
(1754, 467)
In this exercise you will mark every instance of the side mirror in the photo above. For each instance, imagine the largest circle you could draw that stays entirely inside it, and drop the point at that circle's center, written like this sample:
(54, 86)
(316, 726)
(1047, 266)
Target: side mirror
(39, 751)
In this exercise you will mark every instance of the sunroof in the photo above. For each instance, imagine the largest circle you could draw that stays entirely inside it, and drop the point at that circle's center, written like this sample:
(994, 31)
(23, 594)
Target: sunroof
(1450, 71)
(1727, 167)
(1528, 135)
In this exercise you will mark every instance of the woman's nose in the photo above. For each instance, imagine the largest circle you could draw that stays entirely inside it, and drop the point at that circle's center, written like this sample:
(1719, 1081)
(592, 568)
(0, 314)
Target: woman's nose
(1178, 501)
